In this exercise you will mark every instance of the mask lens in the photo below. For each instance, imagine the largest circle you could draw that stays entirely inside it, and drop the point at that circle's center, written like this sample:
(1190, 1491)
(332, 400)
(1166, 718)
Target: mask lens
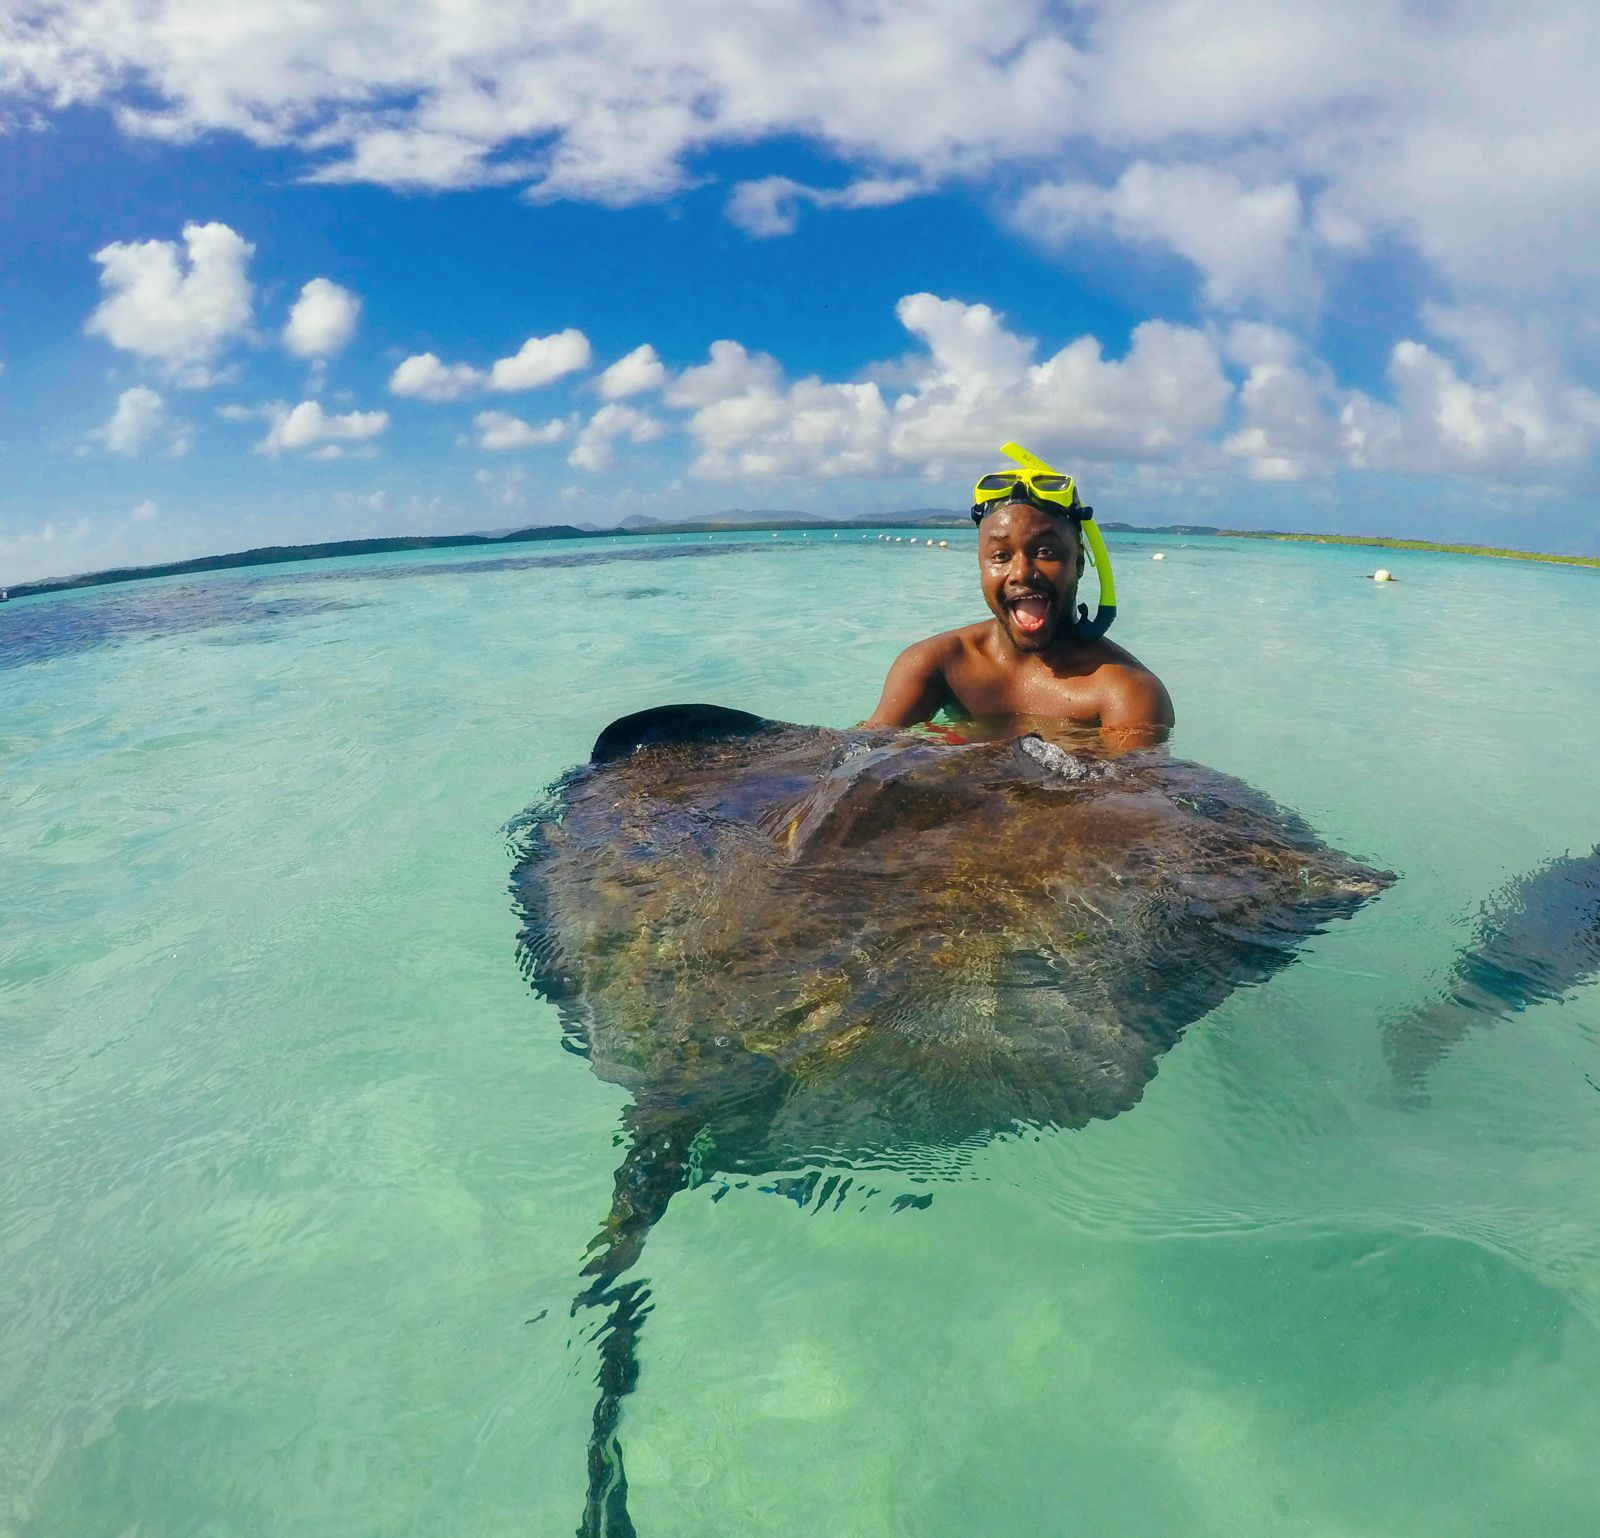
(997, 482)
(1051, 482)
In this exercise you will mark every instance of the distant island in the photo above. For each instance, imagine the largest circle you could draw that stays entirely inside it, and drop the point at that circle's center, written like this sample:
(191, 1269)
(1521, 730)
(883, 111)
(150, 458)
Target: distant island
(1384, 543)
(275, 555)
(1108, 527)
(730, 521)
(735, 521)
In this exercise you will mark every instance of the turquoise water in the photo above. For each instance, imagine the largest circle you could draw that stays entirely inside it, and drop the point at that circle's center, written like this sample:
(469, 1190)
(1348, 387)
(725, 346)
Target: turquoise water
(295, 1176)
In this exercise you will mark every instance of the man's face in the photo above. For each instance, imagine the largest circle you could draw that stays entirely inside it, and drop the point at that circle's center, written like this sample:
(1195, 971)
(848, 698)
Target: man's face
(1028, 565)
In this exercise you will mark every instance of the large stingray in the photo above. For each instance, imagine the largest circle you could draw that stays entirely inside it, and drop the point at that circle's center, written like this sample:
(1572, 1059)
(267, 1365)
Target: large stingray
(792, 944)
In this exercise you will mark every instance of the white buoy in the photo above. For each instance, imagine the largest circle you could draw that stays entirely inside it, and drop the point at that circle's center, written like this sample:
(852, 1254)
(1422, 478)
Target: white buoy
(913, 542)
(944, 544)
(1382, 574)
(1160, 555)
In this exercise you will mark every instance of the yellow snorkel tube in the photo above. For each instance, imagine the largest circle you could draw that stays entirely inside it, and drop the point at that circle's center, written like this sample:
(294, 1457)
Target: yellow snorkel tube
(1034, 481)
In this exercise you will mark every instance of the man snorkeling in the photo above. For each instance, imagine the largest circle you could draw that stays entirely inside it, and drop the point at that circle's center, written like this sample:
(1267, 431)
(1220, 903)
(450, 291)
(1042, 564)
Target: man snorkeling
(1040, 656)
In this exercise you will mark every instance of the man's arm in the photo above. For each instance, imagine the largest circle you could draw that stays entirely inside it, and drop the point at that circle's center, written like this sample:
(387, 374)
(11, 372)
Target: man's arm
(915, 687)
(1135, 710)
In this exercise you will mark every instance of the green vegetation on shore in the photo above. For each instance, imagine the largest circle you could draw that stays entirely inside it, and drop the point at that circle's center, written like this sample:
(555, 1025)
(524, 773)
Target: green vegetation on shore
(1412, 544)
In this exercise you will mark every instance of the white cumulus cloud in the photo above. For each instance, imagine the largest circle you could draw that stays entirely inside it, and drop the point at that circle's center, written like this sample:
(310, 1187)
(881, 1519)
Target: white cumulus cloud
(603, 104)
(633, 374)
(499, 430)
(322, 321)
(1515, 426)
(176, 310)
(973, 384)
(965, 342)
(1464, 133)
(425, 377)
(139, 416)
(541, 360)
(1267, 146)
(729, 371)
(417, 157)
(771, 205)
(308, 426)
(596, 445)
(1287, 407)
(1502, 411)
(1247, 239)
(48, 550)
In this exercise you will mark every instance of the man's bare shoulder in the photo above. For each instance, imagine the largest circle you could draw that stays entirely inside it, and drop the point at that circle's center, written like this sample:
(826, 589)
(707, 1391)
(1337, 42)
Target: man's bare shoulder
(922, 679)
(950, 645)
(1129, 694)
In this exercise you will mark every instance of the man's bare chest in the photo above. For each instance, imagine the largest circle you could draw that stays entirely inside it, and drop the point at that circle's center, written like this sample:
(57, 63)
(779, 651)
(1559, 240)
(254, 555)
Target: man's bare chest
(982, 690)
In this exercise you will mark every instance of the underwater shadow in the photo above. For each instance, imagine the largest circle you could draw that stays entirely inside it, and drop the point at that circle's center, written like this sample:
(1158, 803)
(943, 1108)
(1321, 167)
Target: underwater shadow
(496, 565)
(64, 627)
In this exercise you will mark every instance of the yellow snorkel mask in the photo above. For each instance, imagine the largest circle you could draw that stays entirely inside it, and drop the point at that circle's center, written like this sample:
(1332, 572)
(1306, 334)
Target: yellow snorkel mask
(1050, 491)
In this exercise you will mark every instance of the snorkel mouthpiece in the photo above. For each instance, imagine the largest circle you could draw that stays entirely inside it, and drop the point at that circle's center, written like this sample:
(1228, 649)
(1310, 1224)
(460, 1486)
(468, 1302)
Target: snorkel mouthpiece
(1051, 492)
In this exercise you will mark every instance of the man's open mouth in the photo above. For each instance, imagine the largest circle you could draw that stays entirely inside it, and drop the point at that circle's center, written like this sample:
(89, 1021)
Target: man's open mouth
(1029, 612)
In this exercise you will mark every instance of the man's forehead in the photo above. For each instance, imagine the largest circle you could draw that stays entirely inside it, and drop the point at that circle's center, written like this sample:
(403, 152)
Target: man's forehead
(1021, 518)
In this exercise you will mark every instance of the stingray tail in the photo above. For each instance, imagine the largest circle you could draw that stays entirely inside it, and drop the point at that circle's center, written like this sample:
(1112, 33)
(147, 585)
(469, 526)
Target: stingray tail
(655, 1169)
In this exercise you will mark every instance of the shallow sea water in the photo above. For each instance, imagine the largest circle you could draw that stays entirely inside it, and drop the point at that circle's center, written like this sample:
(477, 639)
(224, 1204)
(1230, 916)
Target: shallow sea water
(295, 1176)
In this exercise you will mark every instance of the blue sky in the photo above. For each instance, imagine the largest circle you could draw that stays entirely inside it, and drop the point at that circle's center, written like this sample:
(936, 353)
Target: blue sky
(277, 276)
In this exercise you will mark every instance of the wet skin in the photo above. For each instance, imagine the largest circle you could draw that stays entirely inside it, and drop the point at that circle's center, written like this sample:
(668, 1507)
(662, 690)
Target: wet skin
(1027, 661)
